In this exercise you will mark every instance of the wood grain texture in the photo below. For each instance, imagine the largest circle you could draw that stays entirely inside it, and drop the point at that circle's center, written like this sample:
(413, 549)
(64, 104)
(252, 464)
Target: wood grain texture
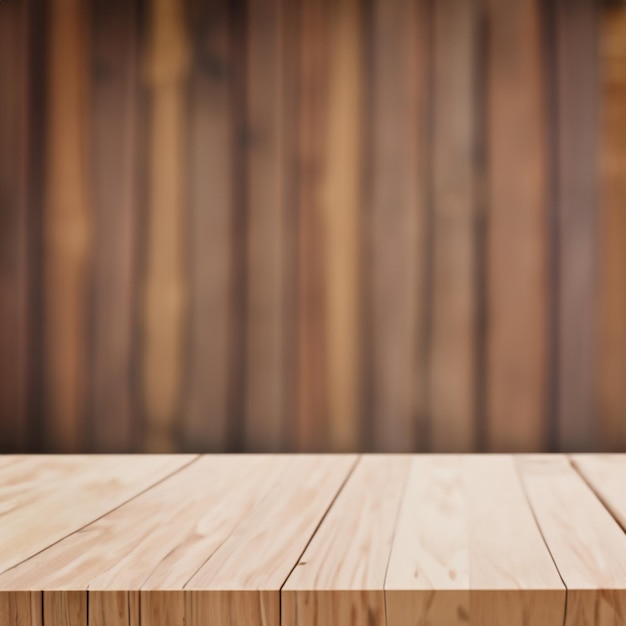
(586, 543)
(39, 488)
(605, 474)
(517, 236)
(266, 228)
(611, 371)
(577, 48)
(64, 608)
(135, 547)
(231, 583)
(340, 577)
(459, 558)
(66, 227)
(21, 608)
(311, 428)
(211, 210)
(342, 216)
(269, 540)
(15, 225)
(114, 173)
(396, 224)
(453, 341)
(165, 285)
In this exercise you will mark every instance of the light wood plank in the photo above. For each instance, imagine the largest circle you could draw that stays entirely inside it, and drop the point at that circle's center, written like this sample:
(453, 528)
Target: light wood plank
(50, 488)
(586, 543)
(137, 545)
(453, 341)
(156, 541)
(211, 214)
(517, 235)
(339, 579)
(241, 581)
(66, 228)
(606, 475)
(165, 289)
(114, 159)
(396, 228)
(467, 549)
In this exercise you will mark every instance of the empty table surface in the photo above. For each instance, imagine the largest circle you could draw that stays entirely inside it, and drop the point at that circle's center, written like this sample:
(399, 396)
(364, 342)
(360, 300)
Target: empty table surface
(313, 540)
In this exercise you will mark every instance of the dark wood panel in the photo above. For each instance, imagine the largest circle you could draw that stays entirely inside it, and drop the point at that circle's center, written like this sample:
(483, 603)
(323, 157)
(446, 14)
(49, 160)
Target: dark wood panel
(165, 289)
(67, 226)
(343, 216)
(452, 376)
(15, 224)
(265, 376)
(611, 372)
(577, 77)
(211, 206)
(311, 428)
(114, 100)
(396, 229)
(517, 236)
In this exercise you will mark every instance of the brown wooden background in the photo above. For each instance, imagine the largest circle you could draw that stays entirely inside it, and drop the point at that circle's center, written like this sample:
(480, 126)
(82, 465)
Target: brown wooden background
(312, 225)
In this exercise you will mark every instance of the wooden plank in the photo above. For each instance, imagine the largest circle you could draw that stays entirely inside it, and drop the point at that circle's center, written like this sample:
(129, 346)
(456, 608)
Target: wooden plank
(517, 236)
(21, 608)
(113, 607)
(396, 224)
(211, 179)
(467, 549)
(137, 547)
(606, 476)
(339, 579)
(452, 376)
(266, 228)
(577, 76)
(66, 227)
(14, 224)
(611, 371)
(290, 130)
(48, 488)
(342, 217)
(114, 172)
(66, 608)
(165, 287)
(241, 581)
(586, 543)
(311, 429)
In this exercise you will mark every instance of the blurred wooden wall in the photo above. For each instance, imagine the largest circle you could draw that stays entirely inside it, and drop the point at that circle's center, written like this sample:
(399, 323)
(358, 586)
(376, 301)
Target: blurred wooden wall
(312, 225)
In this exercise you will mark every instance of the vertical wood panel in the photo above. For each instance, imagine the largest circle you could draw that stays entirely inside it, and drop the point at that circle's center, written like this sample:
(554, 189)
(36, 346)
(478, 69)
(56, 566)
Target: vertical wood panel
(452, 364)
(396, 229)
(342, 224)
(517, 274)
(577, 175)
(14, 224)
(266, 217)
(114, 94)
(612, 231)
(205, 421)
(66, 226)
(165, 289)
(311, 429)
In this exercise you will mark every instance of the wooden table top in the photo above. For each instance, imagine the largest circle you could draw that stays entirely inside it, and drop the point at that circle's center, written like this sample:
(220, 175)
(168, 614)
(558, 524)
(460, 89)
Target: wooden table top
(313, 540)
